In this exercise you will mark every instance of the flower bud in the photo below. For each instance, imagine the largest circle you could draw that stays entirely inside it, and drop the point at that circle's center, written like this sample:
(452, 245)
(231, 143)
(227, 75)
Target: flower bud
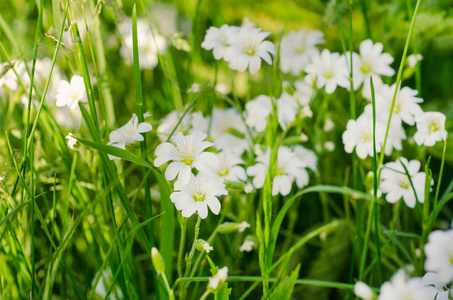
(232, 227)
(202, 245)
(362, 290)
(158, 261)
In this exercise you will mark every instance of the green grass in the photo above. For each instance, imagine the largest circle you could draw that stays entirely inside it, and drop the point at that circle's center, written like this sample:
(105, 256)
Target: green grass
(68, 217)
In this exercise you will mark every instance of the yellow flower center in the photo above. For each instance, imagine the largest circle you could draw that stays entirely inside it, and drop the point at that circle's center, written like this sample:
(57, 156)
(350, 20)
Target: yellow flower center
(250, 50)
(433, 127)
(223, 172)
(328, 74)
(366, 137)
(188, 160)
(279, 172)
(199, 197)
(365, 68)
(404, 183)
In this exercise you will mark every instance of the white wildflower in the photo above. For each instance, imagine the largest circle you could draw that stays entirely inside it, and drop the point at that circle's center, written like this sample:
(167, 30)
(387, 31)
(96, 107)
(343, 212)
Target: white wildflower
(243, 226)
(199, 193)
(228, 168)
(439, 254)
(330, 70)
(218, 39)
(402, 287)
(296, 49)
(413, 59)
(395, 182)
(406, 106)
(247, 49)
(430, 128)
(219, 278)
(129, 133)
(359, 135)
(434, 287)
(258, 110)
(185, 152)
(363, 291)
(370, 62)
(195, 88)
(287, 109)
(247, 246)
(72, 141)
(69, 94)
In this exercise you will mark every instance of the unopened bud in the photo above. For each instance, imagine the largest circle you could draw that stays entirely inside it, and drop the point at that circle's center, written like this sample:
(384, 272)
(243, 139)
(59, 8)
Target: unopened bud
(202, 245)
(232, 227)
(158, 261)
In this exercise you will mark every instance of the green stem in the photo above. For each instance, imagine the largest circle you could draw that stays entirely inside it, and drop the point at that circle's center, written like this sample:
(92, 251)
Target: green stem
(190, 257)
(182, 242)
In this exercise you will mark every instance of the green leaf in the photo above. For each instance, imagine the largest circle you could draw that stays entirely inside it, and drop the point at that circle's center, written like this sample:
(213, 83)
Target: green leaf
(223, 293)
(284, 290)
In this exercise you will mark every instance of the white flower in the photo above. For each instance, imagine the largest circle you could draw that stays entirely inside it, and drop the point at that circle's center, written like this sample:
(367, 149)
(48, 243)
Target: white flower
(402, 287)
(413, 59)
(169, 123)
(187, 154)
(308, 157)
(430, 128)
(246, 23)
(304, 90)
(225, 122)
(330, 70)
(202, 245)
(370, 62)
(228, 169)
(406, 106)
(396, 132)
(362, 290)
(72, 141)
(287, 109)
(247, 49)
(69, 94)
(218, 39)
(199, 193)
(258, 110)
(208, 248)
(243, 226)
(296, 49)
(329, 125)
(149, 43)
(8, 78)
(436, 288)
(247, 246)
(290, 168)
(219, 278)
(396, 184)
(129, 133)
(222, 88)
(195, 88)
(439, 254)
(359, 135)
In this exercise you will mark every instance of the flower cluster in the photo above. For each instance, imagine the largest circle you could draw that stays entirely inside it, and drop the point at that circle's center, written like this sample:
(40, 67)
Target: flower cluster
(435, 284)
(193, 193)
(242, 47)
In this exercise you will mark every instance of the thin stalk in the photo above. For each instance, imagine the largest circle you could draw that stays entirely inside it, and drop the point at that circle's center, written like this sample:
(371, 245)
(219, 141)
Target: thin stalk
(397, 84)
(190, 257)
(182, 242)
